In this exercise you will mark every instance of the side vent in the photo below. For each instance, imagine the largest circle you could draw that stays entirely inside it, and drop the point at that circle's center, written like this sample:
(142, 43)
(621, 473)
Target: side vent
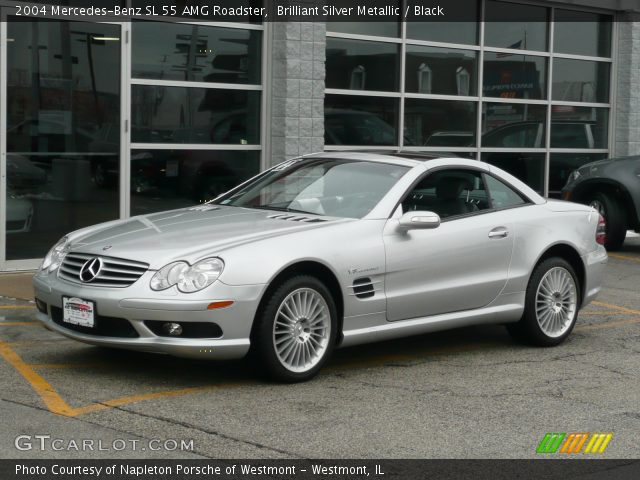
(297, 218)
(363, 287)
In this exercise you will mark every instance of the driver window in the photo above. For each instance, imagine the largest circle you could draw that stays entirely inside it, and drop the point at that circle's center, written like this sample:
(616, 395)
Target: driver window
(449, 193)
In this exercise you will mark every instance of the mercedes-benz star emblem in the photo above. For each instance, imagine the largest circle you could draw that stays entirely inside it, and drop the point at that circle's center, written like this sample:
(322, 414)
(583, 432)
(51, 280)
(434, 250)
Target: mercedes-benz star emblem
(90, 269)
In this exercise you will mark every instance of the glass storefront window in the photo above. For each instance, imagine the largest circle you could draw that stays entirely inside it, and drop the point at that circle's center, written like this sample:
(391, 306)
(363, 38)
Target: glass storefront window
(514, 76)
(528, 167)
(172, 51)
(444, 71)
(194, 115)
(515, 25)
(513, 125)
(582, 33)
(446, 32)
(362, 65)
(580, 81)
(440, 123)
(167, 179)
(463, 32)
(360, 120)
(63, 131)
(377, 29)
(579, 127)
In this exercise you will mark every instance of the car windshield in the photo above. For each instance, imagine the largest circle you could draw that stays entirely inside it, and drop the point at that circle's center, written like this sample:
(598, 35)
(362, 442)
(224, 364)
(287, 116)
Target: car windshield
(331, 187)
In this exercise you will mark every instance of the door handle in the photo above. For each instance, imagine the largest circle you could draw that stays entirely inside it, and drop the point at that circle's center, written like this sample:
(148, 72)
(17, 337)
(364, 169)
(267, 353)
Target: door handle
(499, 232)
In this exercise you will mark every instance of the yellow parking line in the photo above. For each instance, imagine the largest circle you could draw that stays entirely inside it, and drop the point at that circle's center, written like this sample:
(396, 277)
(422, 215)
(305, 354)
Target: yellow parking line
(11, 307)
(57, 405)
(48, 394)
(618, 308)
(40, 342)
(598, 313)
(624, 257)
(118, 402)
(604, 326)
(356, 362)
(14, 324)
(61, 366)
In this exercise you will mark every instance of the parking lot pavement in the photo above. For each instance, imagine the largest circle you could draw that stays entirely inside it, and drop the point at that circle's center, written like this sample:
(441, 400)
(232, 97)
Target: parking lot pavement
(464, 393)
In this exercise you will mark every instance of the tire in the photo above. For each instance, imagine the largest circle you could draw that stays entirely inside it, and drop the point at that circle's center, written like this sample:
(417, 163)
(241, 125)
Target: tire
(552, 301)
(295, 331)
(614, 217)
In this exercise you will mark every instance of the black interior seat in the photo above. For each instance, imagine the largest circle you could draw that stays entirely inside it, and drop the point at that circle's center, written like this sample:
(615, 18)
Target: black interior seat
(449, 197)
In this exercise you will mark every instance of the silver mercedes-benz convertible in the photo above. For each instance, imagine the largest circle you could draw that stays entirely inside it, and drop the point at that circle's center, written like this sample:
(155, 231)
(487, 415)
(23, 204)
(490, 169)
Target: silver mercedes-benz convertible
(329, 250)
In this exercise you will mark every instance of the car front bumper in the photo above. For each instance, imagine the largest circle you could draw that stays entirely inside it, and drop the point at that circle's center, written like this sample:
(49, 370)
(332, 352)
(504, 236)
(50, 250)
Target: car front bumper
(138, 304)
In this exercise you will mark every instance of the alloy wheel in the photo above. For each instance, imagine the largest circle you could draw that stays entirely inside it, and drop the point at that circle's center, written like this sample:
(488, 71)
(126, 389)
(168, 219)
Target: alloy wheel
(556, 302)
(301, 330)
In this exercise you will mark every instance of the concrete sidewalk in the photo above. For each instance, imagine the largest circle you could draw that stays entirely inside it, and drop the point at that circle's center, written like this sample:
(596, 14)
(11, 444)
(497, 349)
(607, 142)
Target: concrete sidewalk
(16, 285)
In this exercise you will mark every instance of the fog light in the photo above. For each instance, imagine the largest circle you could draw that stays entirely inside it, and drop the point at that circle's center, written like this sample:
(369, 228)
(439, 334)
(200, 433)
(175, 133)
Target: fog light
(173, 329)
(42, 307)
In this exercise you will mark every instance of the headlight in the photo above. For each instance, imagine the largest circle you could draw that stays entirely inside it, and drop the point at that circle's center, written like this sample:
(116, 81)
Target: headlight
(573, 176)
(168, 275)
(188, 279)
(54, 258)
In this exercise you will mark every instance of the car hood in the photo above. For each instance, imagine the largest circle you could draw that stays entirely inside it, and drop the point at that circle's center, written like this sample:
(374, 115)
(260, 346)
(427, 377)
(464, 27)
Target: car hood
(622, 162)
(190, 233)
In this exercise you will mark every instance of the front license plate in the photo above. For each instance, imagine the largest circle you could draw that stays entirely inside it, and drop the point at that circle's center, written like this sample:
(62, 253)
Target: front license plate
(78, 311)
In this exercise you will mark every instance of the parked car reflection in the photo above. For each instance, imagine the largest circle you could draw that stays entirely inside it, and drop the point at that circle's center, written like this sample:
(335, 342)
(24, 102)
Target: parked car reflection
(19, 213)
(22, 174)
(356, 127)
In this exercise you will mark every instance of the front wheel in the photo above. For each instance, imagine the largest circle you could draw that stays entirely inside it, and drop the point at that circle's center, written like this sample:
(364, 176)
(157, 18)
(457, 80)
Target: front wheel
(295, 331)
(552, 301)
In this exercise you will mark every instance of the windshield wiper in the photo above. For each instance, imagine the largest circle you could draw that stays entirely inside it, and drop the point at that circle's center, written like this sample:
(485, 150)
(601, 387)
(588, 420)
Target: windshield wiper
(283, 209)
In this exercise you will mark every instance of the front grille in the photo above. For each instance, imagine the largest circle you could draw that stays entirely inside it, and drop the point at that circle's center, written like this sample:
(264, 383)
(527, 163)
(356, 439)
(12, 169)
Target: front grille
(115, 272)
(104, 326)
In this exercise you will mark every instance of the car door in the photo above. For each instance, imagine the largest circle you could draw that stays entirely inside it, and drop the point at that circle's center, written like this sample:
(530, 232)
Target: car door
(462, 264)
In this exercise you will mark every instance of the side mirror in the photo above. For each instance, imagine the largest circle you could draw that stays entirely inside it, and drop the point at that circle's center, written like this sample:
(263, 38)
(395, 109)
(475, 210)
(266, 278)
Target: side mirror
(418, 220)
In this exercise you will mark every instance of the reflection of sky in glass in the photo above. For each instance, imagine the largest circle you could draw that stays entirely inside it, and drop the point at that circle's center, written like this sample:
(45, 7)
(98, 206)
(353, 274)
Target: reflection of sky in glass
(580, 80)
(511, 25)
(583, 38)
(163, 51)
(382, 29)
(106, 54)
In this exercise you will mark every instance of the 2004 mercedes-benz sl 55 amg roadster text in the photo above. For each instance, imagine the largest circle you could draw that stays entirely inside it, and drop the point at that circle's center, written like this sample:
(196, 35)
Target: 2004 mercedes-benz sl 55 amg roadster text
(328, 250)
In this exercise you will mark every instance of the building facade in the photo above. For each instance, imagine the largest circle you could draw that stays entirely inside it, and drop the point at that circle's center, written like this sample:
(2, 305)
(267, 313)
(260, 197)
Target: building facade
(101, 121)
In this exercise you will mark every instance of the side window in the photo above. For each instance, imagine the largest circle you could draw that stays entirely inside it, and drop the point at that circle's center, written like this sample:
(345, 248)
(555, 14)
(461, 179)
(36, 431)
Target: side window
(449, 193)
(502, 196)
(569, 135)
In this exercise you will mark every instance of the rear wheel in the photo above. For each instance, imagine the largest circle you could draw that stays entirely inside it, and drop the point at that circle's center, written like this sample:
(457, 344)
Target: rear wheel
(614, 218)
(551, 304)
(295, 331)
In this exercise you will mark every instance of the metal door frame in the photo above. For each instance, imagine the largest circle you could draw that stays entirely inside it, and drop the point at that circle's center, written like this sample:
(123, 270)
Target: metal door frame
(123, 209)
